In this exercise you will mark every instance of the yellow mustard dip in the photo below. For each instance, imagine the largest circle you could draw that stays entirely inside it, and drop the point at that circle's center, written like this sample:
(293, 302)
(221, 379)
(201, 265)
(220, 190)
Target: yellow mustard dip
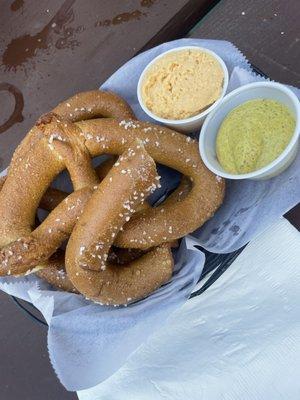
(253, 135)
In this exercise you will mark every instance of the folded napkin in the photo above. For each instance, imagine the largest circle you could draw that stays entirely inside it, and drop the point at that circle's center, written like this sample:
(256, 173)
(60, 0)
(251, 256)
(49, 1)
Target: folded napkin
(239, 340)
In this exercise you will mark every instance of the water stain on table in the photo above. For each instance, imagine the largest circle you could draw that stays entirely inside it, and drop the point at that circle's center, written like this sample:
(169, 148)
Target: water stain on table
(24, 48)
(16, 115)
(126, 16)
(16, 5)
(121, 18)
(147, 3)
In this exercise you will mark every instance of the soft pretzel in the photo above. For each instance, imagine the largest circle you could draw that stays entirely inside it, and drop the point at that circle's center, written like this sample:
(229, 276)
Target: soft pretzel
(45, 160)
(68, 139)
(24, 254)
(37, 152)
(29, 176)
(28, 251)
(53, 197)
(169, 148)
(95, 103)
(53, 271)
(127, 185)
(166, 222)
(55, 144)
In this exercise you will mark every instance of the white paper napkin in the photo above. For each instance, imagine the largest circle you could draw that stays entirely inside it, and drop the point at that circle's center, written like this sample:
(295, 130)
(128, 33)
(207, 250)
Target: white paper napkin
(239, 340)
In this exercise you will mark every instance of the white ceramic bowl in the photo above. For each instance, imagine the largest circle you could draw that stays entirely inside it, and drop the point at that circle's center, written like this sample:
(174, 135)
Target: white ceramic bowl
(194, 123)
(210, 128)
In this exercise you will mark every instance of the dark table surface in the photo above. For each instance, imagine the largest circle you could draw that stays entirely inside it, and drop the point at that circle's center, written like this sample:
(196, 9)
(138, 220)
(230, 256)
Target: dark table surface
(50, 50)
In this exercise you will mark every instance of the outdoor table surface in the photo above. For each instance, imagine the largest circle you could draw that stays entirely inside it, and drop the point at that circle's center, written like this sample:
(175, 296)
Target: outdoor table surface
(49, 50)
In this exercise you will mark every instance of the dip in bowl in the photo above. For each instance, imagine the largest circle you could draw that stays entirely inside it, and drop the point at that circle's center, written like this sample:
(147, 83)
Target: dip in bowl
(253, 133)
(181, 86)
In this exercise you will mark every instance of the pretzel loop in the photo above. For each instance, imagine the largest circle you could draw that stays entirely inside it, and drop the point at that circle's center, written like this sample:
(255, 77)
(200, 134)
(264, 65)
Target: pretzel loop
(98, 215)
(52, 145)
(128, 184)
(168, 221)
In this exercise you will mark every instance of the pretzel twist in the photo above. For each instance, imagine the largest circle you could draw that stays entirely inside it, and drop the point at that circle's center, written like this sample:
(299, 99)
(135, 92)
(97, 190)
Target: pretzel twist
(67, 139)
(166, 222)
(53, 197)
(127, 185)
(52, 145)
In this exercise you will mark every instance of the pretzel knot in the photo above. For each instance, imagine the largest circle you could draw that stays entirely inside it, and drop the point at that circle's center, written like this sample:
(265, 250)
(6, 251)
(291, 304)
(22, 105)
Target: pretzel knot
(98, 215)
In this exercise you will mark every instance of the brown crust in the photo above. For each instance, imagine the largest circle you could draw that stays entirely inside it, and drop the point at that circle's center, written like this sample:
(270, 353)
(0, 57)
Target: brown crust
(127, 185)
(2, 180)
(94, 104)
(166, 222)
(53, 197)
(35, 248)
(54, 273)
(121, 256)
(55, 144)
(147, 229)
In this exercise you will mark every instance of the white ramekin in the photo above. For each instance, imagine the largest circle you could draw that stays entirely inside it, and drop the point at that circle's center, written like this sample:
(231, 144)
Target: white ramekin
(210, 128)
(194, 123)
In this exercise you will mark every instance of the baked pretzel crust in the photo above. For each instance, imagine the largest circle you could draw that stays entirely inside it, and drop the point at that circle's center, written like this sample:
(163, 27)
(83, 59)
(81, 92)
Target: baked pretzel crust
(68, 138)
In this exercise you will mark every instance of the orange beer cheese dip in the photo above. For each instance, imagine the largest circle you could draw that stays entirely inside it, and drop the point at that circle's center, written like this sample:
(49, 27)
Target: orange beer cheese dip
(182, 84)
